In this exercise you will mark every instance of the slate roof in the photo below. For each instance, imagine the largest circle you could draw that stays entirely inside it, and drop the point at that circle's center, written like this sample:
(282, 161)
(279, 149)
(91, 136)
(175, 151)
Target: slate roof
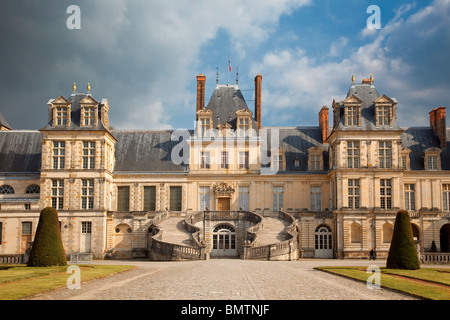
(20, 151)
(418, 139)
(296, 141)
(224, 102)
(145, 151)
(75, 119)
(368, 94)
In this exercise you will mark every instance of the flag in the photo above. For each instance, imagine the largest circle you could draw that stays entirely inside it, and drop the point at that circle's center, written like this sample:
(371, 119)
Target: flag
(229, 65)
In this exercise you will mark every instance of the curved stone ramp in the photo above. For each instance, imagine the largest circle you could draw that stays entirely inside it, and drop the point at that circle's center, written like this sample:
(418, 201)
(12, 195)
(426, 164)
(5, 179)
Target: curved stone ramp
(272, 231)
(173, 231)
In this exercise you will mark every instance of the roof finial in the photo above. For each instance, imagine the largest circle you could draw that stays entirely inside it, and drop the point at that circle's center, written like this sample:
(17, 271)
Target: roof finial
(74, 87)
(217, 78)
(89, 87)
(371, 78)
(353, 78)
(237, 75)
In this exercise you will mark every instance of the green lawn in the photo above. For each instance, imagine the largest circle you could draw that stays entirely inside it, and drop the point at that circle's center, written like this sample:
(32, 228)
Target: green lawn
(427, 283)
(19, 281)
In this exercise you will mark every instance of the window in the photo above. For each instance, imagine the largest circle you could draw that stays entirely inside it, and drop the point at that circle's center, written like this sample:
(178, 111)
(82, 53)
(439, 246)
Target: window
(224, 159)
(353, 154)
(204, 198)
(446, 196)
(432, 162)
(410, 198)
(123, 198)
(89, 116)
(315, 162)
(403, 163)
(383, 116)
(62, 116)
(385, 194)
(352, 116)
(243, 198)
(27, 206)
(175, 198)
(316, 199)
(205, 127)
(356, 233)
(353, 193)
(149, 198)
(244, 127)
(58, 194)
(86, 227)
(87, 194)
(6, 189)
(277, 162)
(385, 154)
(59, 151)
(33, 189)
(205, 160)
(277, 198)
(243, 160)
(88, 155)
(26, 228)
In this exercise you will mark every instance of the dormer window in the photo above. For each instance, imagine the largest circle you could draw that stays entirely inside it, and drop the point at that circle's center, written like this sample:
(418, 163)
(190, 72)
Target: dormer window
(385, 111)
(315, 159)
(62, 116)
(404, 162)
(278, 162)
(243, 123)
(89, 116)
(204, 123)
(433, 159)
(352, 111)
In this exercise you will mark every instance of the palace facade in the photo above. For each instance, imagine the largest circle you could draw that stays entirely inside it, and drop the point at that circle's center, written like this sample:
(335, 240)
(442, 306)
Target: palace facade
(343, 180)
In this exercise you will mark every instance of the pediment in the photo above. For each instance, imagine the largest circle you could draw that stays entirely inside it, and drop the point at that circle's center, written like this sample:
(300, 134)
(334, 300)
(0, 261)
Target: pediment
(384, 99)
(89, 100)
(244, 113)
(61, 100)
(205, 112)
(352, 100)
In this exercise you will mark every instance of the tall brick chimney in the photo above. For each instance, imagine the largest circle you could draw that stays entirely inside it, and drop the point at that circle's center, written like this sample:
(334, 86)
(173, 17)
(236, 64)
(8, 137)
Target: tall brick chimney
(258, 80)
(201, 79)
(323, 123)
(439, 124)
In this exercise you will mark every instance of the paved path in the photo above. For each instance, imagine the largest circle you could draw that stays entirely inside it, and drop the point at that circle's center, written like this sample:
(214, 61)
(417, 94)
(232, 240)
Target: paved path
(226, 279)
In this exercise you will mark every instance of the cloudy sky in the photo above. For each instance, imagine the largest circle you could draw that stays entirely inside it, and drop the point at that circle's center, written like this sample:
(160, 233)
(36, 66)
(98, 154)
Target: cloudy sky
(144, 56)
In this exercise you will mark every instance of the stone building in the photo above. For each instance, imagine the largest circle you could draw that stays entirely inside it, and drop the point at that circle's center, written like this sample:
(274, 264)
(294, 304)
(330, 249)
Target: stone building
(341, 182)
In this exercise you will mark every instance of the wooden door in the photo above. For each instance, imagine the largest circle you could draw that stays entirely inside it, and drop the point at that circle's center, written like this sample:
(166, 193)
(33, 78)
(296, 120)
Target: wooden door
(224, 204)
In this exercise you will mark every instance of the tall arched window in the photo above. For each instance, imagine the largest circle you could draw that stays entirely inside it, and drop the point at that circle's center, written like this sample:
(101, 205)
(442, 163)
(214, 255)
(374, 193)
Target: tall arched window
(6, 189)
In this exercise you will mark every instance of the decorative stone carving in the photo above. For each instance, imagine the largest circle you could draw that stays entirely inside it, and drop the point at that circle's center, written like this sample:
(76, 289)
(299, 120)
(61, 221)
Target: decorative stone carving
(224, 189)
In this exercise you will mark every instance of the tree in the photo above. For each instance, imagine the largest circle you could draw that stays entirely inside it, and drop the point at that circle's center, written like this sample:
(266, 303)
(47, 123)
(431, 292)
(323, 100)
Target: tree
(433, 247)
(47, 248)
(402, 253)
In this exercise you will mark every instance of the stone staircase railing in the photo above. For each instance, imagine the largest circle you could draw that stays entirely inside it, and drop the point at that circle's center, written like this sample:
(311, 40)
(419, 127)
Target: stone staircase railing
(285, 250)
(435, 257)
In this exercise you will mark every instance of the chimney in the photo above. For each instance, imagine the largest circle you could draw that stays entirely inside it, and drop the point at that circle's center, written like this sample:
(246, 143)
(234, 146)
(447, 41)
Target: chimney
(323, 123)
(201, 79)
(258, 80)
(439, 125)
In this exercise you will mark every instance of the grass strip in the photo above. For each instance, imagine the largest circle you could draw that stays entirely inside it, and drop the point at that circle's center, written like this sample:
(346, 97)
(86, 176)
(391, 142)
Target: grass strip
(433, 283)
(18, 282)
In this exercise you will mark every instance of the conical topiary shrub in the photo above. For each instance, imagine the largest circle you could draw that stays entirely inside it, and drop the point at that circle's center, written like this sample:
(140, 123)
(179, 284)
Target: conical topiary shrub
(47, 249)
(402, 253)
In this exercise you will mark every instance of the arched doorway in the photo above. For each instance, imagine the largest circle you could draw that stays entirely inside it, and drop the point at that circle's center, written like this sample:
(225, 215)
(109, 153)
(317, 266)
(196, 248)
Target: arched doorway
(444, 234)
(323, 242)
(224, 241)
